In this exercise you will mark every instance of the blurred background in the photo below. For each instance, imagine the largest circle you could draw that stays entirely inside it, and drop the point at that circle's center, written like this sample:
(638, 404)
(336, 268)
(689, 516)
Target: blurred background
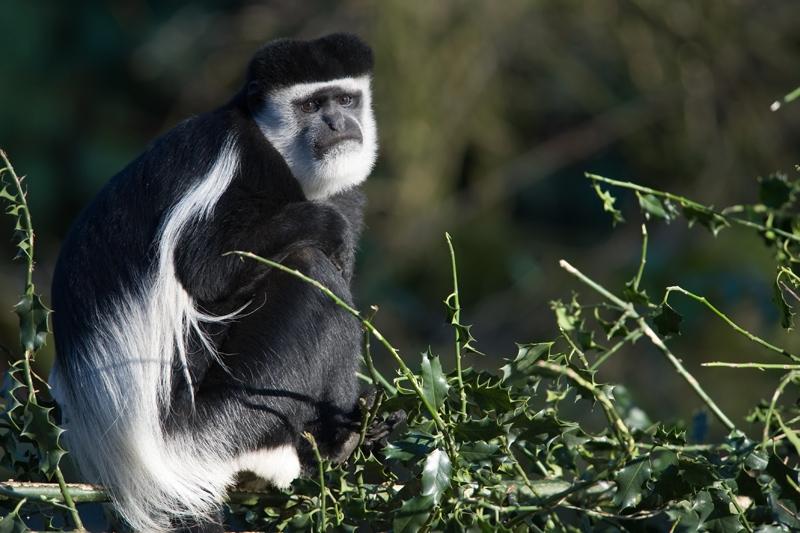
(489, 113)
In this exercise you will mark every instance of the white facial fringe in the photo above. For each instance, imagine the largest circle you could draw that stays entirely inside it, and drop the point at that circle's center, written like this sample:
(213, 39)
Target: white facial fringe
(113, 411)
(342, 168)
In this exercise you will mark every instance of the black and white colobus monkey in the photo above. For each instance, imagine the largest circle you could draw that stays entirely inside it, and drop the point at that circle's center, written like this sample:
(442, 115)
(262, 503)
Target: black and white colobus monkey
(178, 366)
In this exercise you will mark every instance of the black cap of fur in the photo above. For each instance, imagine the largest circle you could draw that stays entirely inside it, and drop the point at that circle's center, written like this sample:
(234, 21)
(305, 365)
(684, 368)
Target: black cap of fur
(287, 62)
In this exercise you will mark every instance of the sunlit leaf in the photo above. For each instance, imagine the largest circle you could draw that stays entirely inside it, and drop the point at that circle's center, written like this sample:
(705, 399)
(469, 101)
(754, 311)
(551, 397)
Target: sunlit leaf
(436, 474)
(434, 384)
(654, 206)
(608, 204)
(519, 370)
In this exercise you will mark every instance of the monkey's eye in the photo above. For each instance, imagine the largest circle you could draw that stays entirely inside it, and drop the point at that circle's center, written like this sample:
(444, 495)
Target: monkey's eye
(309, 106)
(345, 100)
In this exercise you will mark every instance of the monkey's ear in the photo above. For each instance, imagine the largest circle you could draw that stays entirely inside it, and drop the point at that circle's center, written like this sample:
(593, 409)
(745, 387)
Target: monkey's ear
(254, 95)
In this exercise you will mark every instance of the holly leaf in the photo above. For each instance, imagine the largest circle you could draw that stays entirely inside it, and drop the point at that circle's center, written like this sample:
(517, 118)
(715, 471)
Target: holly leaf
(12, 523)
(608, 204)
(434, 384)
(6, 194)
(436, 474)
(634, 294)
(519, 370)
(652, 205)
(542, 426)
(630, 482)
(40, 429)
(478, 429)
(413, 445)
(463, 331)
(667, 321)
(757, 460)
(413, 514)
(478, 452)
(33, 323)
(691, 515)
(705, 216)
(12, 383)
(488, 393)
(775, 191)
(669, 434)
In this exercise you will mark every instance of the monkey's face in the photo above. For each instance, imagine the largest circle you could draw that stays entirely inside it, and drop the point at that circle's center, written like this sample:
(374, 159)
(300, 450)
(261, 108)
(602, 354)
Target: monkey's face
(325, 131)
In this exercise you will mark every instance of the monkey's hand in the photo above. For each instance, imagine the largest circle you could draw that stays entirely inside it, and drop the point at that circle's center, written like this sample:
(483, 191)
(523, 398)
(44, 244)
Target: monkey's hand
(378, 433)
(316, 224)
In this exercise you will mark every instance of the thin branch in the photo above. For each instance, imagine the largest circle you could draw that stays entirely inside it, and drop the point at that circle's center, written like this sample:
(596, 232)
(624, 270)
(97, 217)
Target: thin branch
(642, 260)
(656, 340)
(89, 493)
(792, 96)
(759, 366)
(755, 338)
(633, 336)
(622, 431)
(376, 376)
(457, 324)
(80, 492)
(773, 402)
(22, 202)
(323, 525)
(691, 203)
(73, 510)
(581, 355)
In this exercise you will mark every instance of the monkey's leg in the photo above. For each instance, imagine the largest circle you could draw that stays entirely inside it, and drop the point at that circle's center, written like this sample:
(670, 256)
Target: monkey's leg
(288, 365)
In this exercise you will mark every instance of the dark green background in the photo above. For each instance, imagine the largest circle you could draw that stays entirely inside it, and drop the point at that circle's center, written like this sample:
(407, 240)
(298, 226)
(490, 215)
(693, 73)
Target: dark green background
(489, 113)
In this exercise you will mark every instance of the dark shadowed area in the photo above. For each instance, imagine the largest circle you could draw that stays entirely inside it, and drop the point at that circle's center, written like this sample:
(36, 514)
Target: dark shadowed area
(489, 113)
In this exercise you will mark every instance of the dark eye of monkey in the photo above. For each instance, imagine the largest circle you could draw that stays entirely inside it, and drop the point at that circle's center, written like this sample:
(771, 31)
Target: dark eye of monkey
(345, 100)
(309, 106)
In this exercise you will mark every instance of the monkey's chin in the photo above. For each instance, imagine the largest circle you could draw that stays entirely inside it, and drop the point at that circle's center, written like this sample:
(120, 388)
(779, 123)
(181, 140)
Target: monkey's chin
(342, 167)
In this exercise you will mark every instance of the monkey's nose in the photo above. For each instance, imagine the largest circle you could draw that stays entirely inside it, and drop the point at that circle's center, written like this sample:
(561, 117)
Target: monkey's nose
(335, 121)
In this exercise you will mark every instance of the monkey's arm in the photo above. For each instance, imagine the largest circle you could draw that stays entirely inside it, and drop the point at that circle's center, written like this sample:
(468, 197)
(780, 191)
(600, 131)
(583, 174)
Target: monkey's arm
(238, 223)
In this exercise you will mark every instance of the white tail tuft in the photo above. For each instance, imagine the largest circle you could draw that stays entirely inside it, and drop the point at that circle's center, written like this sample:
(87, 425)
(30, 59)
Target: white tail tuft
(112, 407)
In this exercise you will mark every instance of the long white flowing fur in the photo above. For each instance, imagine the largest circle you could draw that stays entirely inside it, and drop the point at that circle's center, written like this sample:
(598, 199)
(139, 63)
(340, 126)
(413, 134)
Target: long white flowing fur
(112, 409)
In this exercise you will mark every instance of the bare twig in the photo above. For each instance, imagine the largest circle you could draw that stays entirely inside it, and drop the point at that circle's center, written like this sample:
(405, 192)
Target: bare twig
(456, 306)
(755, 338)
(656, 340)
(622, 431)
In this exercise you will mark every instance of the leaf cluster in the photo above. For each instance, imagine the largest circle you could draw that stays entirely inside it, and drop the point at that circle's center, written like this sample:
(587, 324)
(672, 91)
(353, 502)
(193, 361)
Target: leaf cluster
(539, 444)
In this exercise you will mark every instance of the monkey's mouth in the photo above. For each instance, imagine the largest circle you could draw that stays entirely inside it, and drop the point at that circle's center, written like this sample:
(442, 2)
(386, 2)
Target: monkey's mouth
(323, 146)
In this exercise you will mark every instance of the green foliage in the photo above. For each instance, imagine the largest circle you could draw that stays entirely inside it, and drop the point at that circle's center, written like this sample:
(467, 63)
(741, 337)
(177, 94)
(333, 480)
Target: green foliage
(31, 447)
(504, 450)
(516, 461)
